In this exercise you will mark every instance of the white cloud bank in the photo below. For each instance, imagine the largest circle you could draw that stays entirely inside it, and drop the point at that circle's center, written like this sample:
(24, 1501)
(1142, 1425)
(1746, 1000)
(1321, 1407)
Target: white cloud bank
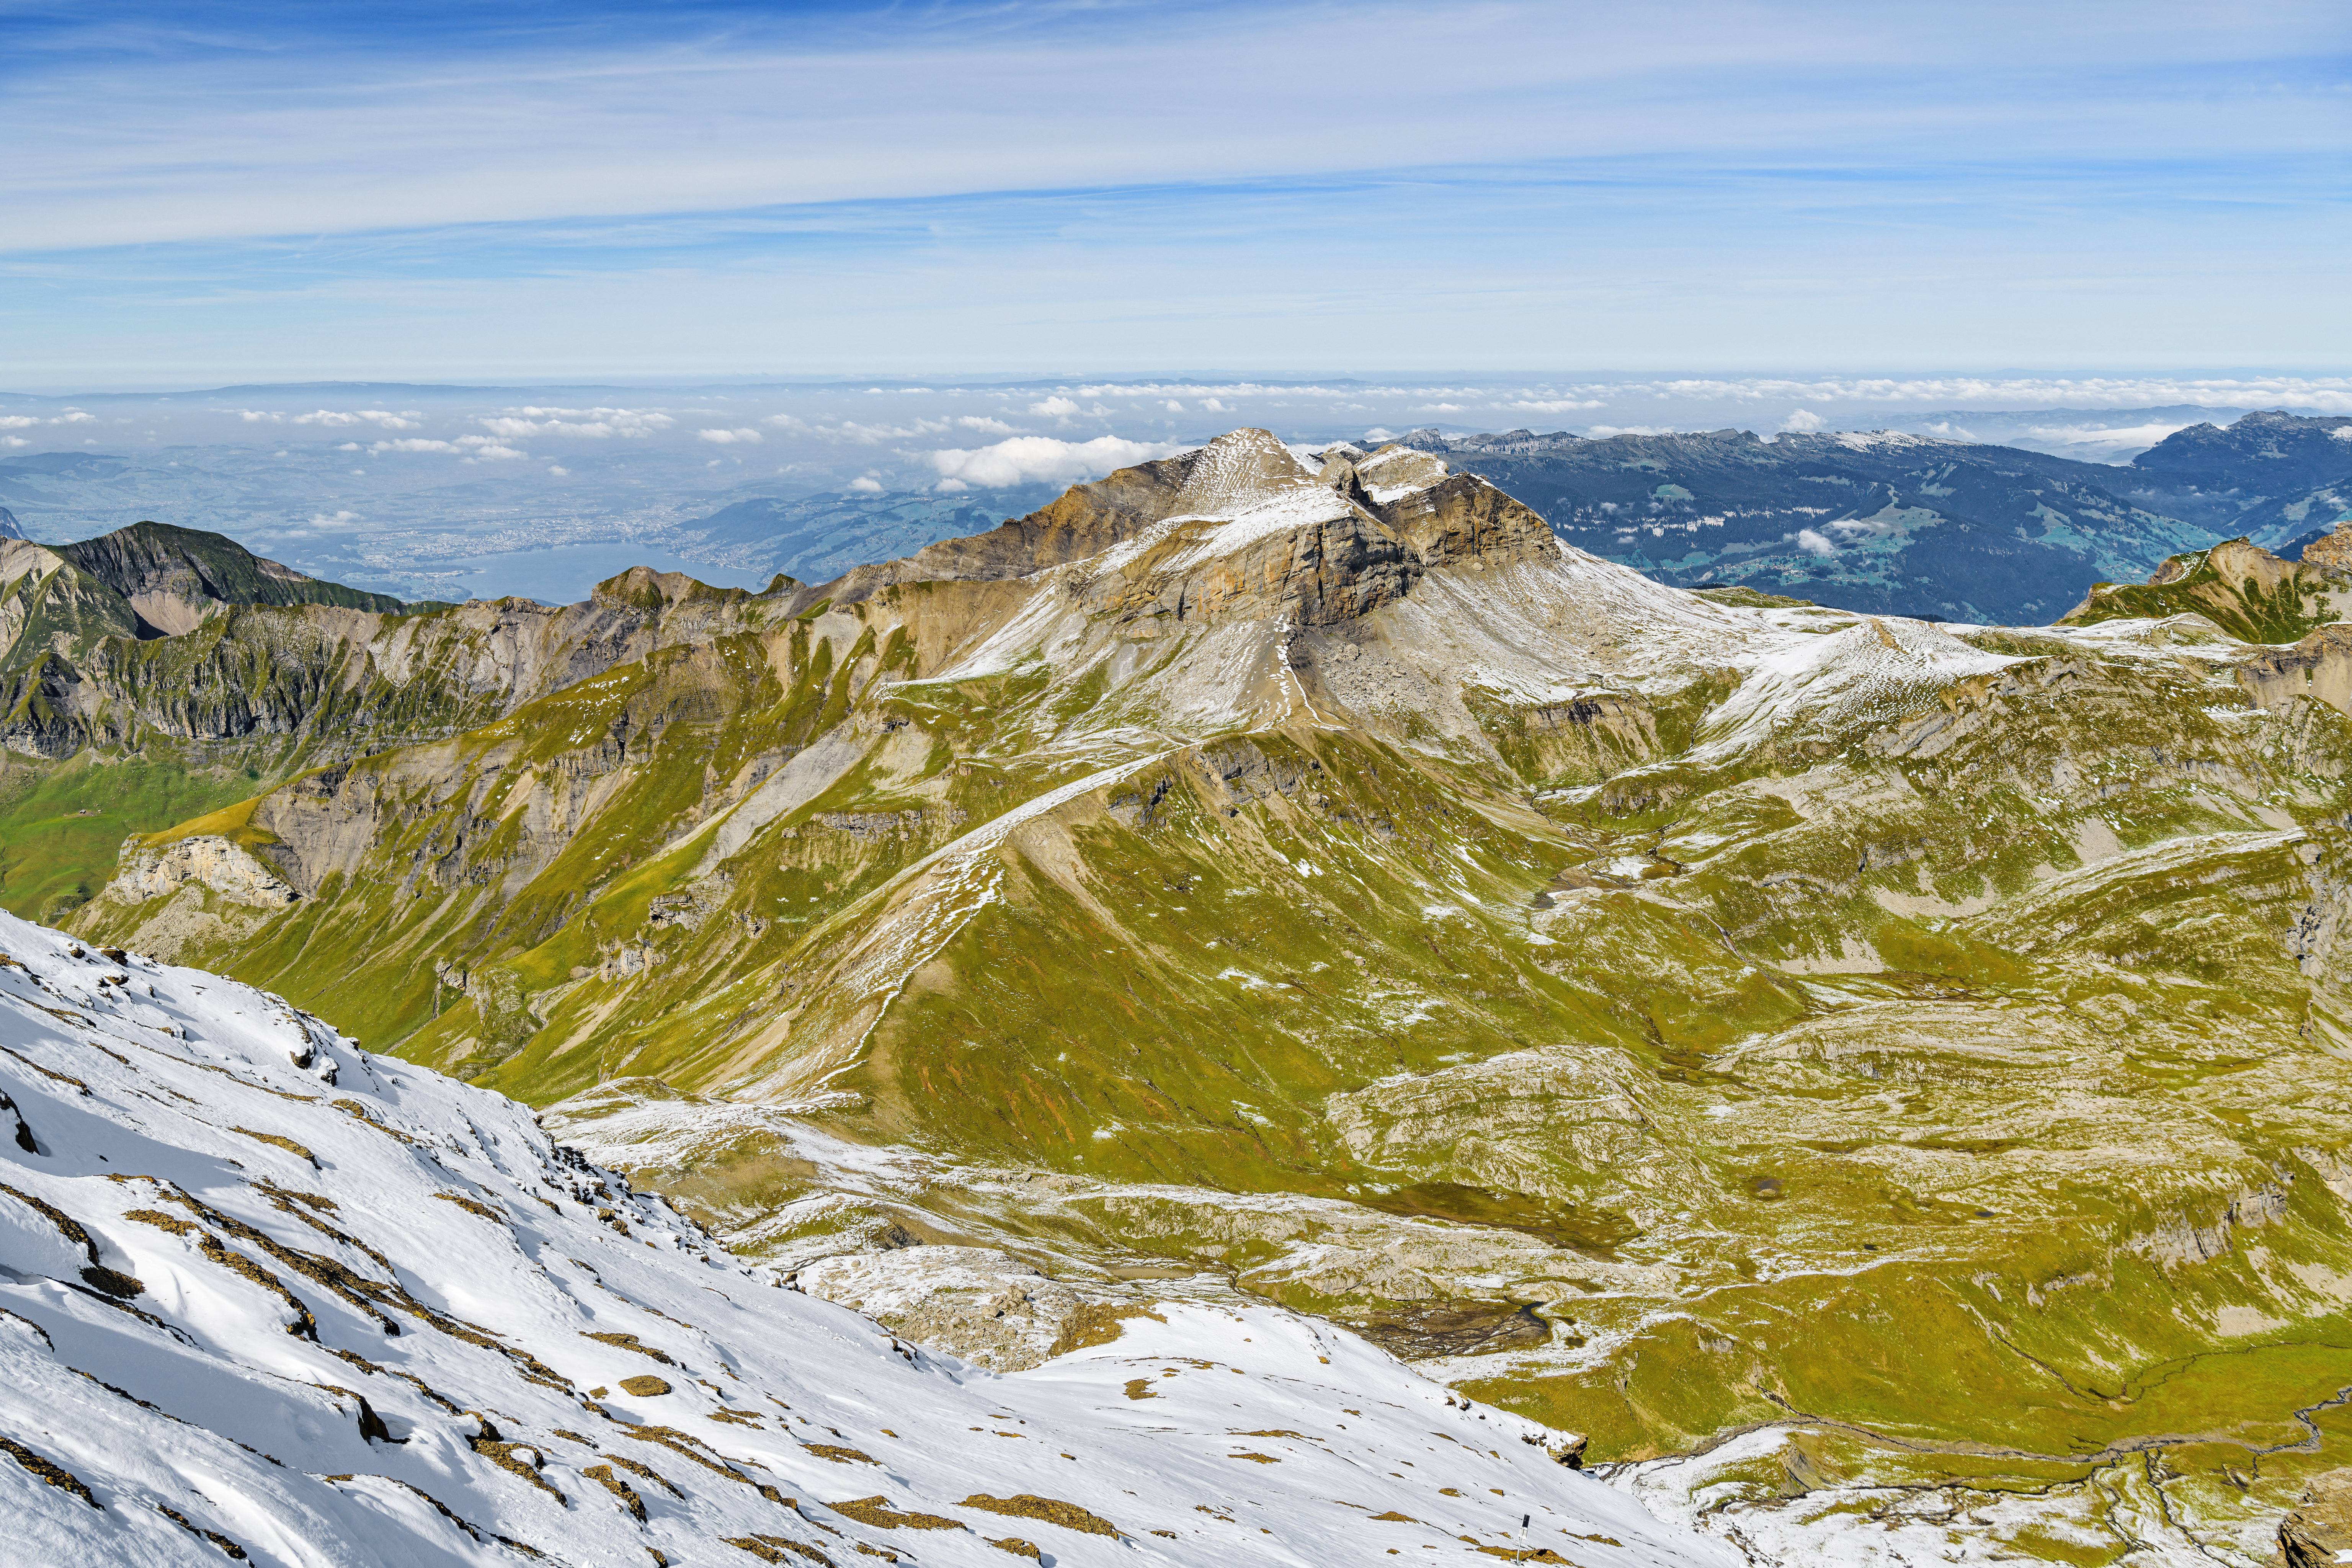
(1041, 459)
(471, 445)
(337, 418)
(594, 424)
(2108, 441)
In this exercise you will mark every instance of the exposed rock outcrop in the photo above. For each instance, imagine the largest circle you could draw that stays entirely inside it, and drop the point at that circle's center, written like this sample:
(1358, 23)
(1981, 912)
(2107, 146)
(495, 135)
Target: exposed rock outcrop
(2318, 1533)
(207, 861)
(986, 1306)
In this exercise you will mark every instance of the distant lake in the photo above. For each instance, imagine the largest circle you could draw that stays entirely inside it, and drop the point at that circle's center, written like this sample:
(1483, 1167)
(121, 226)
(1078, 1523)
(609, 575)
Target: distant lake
(566, 574)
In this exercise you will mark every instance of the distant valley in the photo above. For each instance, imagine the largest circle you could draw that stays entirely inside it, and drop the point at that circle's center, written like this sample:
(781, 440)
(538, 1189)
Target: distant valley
(1901, 525)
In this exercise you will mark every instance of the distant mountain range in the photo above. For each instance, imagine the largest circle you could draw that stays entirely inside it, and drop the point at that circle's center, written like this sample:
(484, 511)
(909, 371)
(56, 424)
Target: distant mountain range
(2282, 480)
(1886, 523)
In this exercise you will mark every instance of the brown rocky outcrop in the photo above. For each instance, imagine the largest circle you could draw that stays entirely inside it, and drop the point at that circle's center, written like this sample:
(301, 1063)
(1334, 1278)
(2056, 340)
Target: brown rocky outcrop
(208, 861)
(2320, 1528)
(2331, 552)
(1083, 520)
(1316, 547)
(2319, 666)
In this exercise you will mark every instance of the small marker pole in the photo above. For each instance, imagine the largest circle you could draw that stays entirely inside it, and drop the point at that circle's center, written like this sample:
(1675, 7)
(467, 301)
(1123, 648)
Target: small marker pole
(1523, 1536)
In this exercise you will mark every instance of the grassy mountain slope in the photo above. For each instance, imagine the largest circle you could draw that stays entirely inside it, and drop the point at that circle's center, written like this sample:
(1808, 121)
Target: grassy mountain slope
(61, 827)
(180, 575)
(1889, 1061)
(2240, 587)
(263, 692)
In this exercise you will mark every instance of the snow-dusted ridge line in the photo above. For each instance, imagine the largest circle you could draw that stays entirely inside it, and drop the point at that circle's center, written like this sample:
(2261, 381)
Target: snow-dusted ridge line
(201, 1243)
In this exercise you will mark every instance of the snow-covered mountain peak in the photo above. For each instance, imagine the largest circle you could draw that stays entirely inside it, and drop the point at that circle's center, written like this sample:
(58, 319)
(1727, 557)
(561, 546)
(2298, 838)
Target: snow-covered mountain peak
(1238, 470)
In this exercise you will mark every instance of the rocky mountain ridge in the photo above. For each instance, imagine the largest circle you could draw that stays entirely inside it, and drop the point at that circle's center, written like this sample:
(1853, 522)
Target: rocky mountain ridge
(1880, 1079)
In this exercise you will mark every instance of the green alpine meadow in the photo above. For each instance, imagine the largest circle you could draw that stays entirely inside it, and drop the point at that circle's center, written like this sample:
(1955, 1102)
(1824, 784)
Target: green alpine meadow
(1878, 1081)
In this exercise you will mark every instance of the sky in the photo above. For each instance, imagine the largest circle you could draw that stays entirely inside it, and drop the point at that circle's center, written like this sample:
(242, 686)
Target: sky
(199, 194)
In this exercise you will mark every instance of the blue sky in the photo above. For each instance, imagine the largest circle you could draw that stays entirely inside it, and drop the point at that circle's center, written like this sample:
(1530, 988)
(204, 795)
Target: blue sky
(209, 194)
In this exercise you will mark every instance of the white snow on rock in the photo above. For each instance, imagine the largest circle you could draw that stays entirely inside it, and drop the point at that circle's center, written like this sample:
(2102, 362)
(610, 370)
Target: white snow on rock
(1394, 472)
(266, 1297)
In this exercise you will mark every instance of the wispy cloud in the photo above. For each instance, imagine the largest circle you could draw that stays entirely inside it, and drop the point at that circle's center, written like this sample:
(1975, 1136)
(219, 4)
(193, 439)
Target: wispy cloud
(1504, 183)
(1552, 405)
(299, 130)
(594, 423)
(335, 418)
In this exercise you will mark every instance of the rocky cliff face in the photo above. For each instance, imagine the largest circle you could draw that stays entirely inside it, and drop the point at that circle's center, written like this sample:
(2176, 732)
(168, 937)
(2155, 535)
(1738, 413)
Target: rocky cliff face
(1261, 515)
(289, 684)
(172, 578)
(206, 860)
(1816, 1045)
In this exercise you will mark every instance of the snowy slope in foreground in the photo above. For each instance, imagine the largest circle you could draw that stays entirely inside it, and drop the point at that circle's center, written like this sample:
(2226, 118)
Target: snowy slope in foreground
(352, 1313)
